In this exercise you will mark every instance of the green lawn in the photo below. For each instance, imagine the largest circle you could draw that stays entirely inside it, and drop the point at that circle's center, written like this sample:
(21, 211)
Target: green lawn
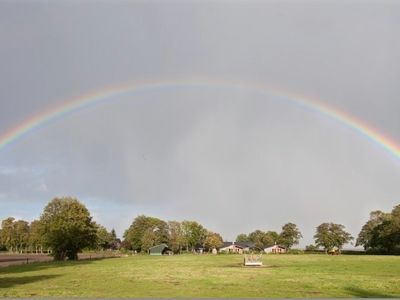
(207, 276)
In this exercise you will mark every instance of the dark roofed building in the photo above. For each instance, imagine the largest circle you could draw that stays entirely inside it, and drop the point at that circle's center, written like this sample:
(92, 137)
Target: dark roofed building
(159, 249)
(248, 245)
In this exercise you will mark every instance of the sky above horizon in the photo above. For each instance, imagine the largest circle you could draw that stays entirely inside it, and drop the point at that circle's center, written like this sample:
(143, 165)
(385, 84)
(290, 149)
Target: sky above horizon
(231, 158)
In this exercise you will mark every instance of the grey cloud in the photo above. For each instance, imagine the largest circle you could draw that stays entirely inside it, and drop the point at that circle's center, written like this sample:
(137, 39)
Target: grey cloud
(230, 158)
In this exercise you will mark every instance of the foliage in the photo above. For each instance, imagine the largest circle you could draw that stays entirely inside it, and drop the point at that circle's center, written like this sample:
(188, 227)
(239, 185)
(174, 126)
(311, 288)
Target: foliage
(376, 218)
(15, 234)
(263, 239)
(67, 227)
(213, 240)
(257, 237)
(194, 233)
(36, 240)
(290, 235)
(7, 233)
(176, 236)
(331, 235)
(104, 238)
(381, 232)
(21, 235)
(242, 238)
(142, 229)
(149, 239)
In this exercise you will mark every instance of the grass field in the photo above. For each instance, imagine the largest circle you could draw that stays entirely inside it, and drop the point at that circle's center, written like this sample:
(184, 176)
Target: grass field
(207, 276)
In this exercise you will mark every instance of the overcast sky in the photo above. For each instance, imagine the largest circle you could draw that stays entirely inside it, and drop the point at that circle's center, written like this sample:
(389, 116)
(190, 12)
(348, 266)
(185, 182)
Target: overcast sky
(230, 158)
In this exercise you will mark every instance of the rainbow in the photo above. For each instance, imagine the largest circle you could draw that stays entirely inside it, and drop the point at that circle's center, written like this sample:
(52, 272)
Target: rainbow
(85, 101)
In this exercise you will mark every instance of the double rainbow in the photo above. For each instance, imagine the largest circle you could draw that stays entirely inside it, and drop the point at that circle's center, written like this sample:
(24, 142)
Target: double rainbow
(108, 94)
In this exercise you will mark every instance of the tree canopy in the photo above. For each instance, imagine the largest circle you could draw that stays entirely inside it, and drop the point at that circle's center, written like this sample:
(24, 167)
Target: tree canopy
(331, 235)
(67, 227)
(146, 232)
(290, 235)
(381, 232)
(213, 240)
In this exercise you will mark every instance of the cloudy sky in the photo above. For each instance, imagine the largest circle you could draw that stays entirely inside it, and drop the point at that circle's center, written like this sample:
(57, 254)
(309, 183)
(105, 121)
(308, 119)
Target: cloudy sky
(229, 157)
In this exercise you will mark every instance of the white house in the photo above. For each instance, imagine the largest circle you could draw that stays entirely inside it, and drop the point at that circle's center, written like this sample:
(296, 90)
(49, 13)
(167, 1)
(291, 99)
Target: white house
(275, 249)
(231, 248)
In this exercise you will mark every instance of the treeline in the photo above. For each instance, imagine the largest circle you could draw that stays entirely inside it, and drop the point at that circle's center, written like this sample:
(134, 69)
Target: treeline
(381, 233)
(146, 232)
(66, 228)
(289, 236)
(19, 236)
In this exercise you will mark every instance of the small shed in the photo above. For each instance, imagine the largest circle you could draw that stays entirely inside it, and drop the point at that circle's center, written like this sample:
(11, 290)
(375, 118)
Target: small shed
(159, 249)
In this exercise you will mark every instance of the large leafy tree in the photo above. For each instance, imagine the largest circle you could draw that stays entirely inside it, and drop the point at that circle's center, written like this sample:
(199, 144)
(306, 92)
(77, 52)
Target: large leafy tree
(144, 226)
(105, 239)
(176, 240)
(290, 235)
(262, 239)
(330, 235)
(149, 239)
(270, 238)
(213, 240)
(7, 233)
(385, 235)
(67, 227)
(258, 238)
(368, 231)
(242, 238)
(21, 235)
(15, 234)
(195, 234)
(36, 236)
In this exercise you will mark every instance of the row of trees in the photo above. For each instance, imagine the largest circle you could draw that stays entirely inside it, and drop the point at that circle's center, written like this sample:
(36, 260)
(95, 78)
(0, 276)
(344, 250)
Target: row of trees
(288, 237)
(65, 228)
(381, 233)
(146, 232)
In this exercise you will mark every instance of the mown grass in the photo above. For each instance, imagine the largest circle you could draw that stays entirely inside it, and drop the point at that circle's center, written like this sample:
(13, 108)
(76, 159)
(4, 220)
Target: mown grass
(207, 276)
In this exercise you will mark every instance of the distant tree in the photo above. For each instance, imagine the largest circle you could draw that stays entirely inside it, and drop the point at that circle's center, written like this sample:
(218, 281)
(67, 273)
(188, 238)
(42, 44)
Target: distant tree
(386, 235)
(105, 239)
(330, 235)
(113, 234)
(290, 235)
(258, 238)
(141, 224)
(263, 239)
(213, 240)
(36, 236)
(194, 233)
(15, 234)
(149, 239)
(8, 234)
(366, 234)
(242, 238)
(2, 246)
(116, 242)
(67, 227)
(270, 238)
(21, 235)
(176, 240)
